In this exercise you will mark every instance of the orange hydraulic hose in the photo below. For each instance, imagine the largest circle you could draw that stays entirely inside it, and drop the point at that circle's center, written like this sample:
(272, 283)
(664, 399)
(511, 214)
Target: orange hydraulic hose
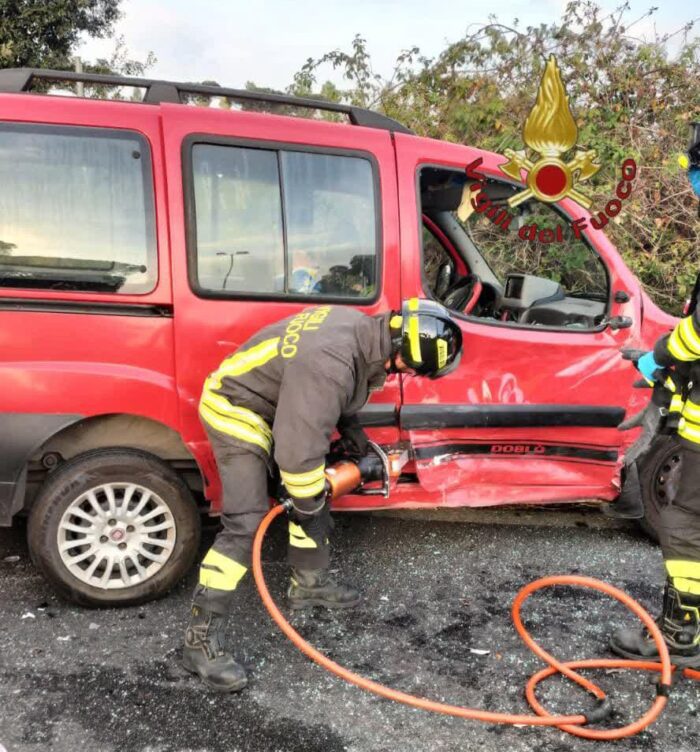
(573, 724)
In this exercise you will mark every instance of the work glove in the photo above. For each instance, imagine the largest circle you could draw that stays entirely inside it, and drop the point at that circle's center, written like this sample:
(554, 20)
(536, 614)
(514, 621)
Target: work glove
(353, 442)
(649, 368)
(646, 364)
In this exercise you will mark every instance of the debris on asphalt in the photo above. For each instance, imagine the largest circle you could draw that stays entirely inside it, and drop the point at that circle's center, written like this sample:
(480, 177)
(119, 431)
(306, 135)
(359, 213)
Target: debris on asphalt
(28, 615)
(116, 688)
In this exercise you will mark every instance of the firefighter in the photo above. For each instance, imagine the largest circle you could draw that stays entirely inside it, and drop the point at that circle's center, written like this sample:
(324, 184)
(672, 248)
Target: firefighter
(674, 365)
(275, 403)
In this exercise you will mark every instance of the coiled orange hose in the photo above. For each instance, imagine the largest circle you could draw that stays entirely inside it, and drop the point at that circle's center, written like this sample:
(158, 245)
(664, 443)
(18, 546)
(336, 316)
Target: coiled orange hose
(572, 724)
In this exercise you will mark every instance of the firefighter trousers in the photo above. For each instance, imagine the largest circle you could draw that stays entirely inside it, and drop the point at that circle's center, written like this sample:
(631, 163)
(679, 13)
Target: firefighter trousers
(679, 529)
(244, 477)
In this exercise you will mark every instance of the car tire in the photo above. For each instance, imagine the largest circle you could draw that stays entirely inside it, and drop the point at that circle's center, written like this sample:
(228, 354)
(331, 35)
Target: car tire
(118, 509)
(659, 477)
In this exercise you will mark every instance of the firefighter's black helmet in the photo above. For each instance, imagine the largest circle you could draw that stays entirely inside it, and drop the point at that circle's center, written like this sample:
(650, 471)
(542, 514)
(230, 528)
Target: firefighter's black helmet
(429, 341)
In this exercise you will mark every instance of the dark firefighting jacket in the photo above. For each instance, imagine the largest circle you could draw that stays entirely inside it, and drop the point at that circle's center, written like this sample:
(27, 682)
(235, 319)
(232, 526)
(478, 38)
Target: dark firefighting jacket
(285, 389)
(682, 349)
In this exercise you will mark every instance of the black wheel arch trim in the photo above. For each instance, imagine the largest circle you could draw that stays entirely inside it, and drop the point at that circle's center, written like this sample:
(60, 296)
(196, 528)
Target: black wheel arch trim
(21, 434)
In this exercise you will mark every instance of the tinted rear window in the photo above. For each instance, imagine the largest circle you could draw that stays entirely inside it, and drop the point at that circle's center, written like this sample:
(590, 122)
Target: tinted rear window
(76, 210)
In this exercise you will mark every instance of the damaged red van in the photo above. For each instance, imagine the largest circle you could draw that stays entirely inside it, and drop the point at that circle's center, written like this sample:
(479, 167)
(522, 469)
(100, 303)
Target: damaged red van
(142, 241)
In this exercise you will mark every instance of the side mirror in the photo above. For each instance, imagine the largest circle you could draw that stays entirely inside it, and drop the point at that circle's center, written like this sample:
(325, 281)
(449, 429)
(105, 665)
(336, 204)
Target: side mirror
(444, 280)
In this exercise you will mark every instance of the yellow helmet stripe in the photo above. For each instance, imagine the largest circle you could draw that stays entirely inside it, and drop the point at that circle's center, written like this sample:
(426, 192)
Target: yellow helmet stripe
(441, 352)
(414, 332)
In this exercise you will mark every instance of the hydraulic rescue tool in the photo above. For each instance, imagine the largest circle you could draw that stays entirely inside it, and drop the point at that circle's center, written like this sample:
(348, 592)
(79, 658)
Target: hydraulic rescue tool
(373, 475)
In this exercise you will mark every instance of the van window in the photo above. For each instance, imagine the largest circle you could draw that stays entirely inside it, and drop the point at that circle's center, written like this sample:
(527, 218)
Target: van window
(240, 242)
(438, 265)
(529, 265)
(567, 259)
(283, 222)
(76, 210)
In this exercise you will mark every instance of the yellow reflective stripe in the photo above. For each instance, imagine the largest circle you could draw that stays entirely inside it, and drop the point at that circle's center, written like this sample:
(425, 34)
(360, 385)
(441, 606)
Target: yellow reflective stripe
(676, 348)
(298, 538)
(670, 384)
(676, 404)
(305, 485)
(689, 431)
(263, 432)
(248, 416)
(234, 428)
(685, 575)
(302, 478)
(690, 587)
(306, 491)
(220, 572)
(243, 362)
(395, 322)
(441, 352)
(690, 336)
(692, 411)
(684, 343)
(683, 568)
(413, 331)
(221, 405)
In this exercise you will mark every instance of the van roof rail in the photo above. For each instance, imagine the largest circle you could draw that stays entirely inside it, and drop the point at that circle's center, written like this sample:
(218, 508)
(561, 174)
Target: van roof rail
(20, 80)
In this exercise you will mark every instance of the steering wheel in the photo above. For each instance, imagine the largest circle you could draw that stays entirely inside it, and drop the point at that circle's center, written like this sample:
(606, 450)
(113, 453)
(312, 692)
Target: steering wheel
(464, 294)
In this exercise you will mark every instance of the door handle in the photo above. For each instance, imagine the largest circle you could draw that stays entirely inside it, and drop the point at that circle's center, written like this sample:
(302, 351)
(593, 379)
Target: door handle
(620, 322)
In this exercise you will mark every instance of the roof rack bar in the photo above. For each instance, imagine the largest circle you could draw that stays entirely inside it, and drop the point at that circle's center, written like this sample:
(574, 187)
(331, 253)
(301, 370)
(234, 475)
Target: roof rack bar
(18, 80)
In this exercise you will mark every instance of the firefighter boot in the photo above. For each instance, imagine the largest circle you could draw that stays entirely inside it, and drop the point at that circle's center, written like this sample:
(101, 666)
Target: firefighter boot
(315, 587)
(204, 653)
(680, 625)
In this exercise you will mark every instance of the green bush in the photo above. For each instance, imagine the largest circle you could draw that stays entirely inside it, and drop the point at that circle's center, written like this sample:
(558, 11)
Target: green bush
(631, 98)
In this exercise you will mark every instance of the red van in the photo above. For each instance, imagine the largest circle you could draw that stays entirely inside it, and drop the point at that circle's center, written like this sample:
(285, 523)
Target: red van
(141, 242)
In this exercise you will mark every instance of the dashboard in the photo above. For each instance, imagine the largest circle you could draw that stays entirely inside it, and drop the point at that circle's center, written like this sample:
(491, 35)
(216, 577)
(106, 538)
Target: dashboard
(530, 300)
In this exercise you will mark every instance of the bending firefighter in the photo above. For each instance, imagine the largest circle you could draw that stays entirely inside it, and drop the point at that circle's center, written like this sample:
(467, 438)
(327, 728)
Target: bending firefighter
(276, 403)
(674, 366)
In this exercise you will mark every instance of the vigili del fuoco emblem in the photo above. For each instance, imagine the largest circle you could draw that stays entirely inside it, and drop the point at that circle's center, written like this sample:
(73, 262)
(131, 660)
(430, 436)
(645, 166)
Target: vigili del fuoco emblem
(550, 131)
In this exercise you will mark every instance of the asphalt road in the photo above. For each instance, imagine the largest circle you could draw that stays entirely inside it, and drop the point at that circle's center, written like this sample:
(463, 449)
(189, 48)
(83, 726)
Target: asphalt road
(109, 681)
